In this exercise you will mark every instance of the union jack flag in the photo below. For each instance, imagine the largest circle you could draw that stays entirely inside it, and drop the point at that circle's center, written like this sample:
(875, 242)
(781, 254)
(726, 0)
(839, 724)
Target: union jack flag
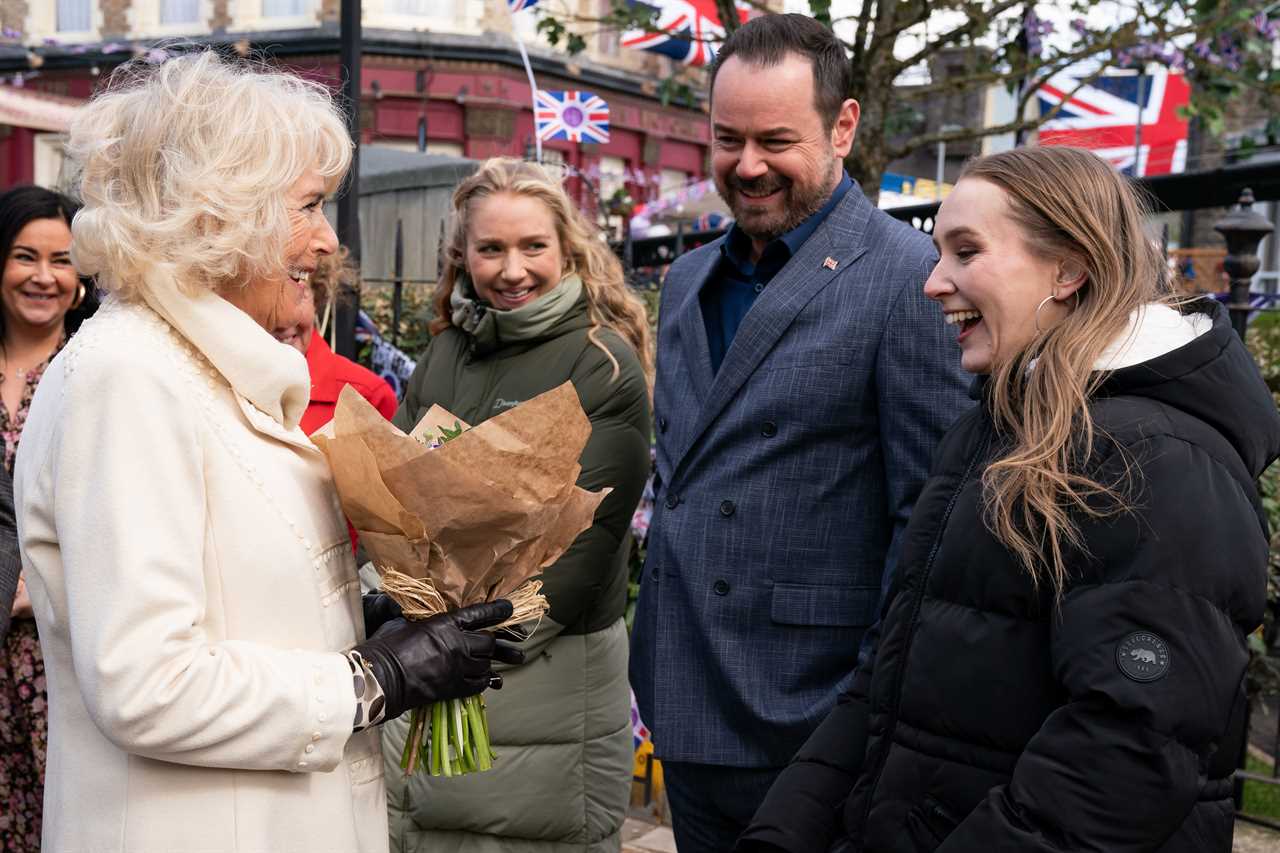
(1102, 117)
(517, 5)
(684, 31)
(575, 116)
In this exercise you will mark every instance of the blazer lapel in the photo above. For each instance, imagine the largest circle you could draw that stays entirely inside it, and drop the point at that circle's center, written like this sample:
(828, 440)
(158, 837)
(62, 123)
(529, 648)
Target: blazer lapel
(691, 328)
(832, 249)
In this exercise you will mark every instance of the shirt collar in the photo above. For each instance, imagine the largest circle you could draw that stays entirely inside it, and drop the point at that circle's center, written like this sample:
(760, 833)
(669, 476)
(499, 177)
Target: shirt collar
(737, 245)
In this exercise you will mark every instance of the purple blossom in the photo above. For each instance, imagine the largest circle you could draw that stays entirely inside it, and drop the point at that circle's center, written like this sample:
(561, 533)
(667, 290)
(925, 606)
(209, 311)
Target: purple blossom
(18, 81)
(1267, 29)
(11, 33)
(1031, 24)
(80, 48)
(50, 42)
(1081, 28)
(1202, 49)
(1177, 60)
(1123, 58)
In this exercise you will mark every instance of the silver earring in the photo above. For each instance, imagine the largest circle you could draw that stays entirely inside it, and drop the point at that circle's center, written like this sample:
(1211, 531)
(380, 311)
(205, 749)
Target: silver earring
(1046, 301)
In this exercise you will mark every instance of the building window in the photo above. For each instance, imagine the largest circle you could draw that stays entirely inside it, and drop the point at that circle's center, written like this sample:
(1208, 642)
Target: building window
(671, 181)
(283, 8)
(73, 16)
(410, 7)
(179, 11)
(50, 151)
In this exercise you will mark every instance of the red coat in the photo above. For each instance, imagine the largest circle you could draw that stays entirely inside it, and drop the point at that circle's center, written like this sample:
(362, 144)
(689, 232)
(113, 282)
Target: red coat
(329, 373)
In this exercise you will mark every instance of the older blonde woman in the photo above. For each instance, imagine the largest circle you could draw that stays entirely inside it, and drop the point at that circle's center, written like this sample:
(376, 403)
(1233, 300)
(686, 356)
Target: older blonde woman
(188, 564)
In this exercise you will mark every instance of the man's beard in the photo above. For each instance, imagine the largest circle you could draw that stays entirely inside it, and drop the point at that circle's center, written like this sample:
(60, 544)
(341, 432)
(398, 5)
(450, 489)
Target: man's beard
(799, 201)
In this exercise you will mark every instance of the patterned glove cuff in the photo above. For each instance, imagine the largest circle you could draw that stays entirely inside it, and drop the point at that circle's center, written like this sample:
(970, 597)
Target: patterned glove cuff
(371, 704)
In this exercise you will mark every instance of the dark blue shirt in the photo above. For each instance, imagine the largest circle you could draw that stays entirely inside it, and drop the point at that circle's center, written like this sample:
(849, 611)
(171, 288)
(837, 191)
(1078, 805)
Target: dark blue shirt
(736, 282)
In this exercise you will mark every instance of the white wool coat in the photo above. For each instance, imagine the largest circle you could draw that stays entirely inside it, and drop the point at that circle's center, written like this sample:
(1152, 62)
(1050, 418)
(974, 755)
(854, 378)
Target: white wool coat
(194, 588)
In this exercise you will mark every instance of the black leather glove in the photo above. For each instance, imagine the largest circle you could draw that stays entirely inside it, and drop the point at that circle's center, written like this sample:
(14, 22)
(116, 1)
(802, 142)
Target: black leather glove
(445, 657)
(379, 609)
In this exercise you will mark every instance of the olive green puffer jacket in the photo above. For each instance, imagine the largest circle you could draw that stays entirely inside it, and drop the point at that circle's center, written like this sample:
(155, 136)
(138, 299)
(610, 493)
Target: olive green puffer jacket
(561, 723)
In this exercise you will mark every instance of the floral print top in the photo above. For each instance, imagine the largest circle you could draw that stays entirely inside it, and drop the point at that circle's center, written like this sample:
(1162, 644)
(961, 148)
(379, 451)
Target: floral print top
(11, 423)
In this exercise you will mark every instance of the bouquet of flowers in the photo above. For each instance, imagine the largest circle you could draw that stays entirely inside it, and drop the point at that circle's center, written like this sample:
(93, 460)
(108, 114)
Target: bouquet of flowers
(452, 516)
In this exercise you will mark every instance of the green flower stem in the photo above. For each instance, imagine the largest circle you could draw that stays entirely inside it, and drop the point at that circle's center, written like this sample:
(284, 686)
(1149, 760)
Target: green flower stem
(458, 741)
(475, 713)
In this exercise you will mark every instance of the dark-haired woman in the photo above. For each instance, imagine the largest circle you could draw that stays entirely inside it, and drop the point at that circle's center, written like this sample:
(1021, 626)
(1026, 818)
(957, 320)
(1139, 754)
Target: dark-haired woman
(42, 301)
(1062, 655)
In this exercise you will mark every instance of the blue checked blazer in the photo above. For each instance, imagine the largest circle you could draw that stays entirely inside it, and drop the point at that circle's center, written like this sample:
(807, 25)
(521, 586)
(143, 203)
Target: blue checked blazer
(784, 482)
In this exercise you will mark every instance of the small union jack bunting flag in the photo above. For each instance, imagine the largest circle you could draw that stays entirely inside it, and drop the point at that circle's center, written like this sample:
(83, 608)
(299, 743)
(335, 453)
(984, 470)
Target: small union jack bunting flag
(517, 5)
(573, 116)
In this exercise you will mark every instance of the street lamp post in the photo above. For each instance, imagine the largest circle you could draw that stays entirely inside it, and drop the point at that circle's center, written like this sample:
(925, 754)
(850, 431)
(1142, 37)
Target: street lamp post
(1243, 229)
(348, 301)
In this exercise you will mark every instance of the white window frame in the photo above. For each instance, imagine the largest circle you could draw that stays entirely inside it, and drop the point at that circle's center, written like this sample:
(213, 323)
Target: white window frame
(247, 15)
(451, 16)
(50, 155)
(144, 20)
(42, 23)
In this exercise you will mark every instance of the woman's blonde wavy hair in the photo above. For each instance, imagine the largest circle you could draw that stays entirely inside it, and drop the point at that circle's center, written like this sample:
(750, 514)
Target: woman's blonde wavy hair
(183, 169)
(611, 304)
(1072, 207)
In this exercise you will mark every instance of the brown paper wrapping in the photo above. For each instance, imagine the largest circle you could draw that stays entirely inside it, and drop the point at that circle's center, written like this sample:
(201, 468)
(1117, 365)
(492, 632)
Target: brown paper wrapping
(478, 516)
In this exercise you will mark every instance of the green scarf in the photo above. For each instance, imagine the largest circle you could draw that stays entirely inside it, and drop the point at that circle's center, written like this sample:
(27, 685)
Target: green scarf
(491, 327)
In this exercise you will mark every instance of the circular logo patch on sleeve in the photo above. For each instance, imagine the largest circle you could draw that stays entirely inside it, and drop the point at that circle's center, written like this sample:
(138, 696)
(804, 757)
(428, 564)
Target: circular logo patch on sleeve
(1143, 656)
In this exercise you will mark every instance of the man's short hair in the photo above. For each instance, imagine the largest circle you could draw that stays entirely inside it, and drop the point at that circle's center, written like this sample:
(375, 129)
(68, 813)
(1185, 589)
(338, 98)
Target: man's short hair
(768, 39)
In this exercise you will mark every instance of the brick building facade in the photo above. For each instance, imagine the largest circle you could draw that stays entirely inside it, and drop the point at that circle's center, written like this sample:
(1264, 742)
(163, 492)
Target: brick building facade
(439, 75)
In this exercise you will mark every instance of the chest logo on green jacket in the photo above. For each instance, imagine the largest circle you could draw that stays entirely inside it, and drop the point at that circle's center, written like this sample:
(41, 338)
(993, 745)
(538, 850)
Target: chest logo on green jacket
(1143, 656)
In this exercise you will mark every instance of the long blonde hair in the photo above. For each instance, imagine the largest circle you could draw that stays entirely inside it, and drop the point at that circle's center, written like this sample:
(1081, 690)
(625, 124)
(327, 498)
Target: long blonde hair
(1071, 206)
(611, 304)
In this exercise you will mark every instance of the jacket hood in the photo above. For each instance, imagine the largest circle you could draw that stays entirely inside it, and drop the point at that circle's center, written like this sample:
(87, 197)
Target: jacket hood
(1212, 377)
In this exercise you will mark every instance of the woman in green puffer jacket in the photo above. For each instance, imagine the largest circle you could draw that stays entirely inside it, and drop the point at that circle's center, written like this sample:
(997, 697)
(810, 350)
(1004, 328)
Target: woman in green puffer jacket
(530, 298)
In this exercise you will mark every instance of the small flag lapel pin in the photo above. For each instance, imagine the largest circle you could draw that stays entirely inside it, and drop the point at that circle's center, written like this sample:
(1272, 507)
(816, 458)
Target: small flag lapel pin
(829, 263)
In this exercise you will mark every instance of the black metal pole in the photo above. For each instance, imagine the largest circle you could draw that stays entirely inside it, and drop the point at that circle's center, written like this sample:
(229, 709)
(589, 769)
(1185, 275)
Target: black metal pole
(1242, 229)
(348, 303)
(397, 292)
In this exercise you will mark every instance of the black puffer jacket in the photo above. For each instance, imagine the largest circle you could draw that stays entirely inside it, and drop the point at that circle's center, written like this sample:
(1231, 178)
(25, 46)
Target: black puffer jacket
(991, 720)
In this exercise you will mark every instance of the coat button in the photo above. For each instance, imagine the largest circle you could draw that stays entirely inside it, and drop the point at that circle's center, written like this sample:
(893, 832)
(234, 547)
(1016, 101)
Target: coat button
(721, 587)
(673, 501)
(662, 424)
(656, 573)
(768, 429)
(727, 508)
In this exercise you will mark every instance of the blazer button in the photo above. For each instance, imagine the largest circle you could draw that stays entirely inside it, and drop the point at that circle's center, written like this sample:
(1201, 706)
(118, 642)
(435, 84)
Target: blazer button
(673, 501)
(662, 424)
(721, 587)
(727, 508)
(655, 574)
(768, 429)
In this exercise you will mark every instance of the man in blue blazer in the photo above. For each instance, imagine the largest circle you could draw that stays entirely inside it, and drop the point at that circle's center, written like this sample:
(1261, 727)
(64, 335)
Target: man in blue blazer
(803, 382)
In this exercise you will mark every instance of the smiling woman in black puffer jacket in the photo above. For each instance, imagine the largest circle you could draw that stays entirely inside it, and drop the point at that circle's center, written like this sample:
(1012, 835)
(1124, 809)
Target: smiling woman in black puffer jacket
(1061, 658)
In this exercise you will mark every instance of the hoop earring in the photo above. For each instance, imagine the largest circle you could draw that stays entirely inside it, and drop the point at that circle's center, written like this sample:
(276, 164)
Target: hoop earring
(80, 294)
(1046, 301)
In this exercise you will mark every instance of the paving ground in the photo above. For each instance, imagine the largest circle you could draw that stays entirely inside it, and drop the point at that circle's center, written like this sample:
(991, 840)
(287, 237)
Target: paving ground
(1251, 839)
(641, 836)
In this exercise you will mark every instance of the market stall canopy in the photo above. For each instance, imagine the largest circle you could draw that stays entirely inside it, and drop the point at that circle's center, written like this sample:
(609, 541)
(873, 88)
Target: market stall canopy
(37, 110)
